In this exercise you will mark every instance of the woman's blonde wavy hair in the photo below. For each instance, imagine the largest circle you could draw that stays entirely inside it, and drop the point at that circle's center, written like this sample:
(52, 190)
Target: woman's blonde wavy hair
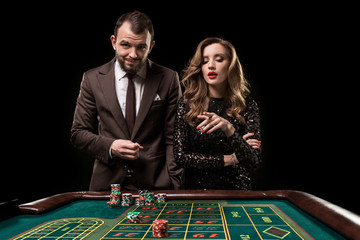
(196, 88)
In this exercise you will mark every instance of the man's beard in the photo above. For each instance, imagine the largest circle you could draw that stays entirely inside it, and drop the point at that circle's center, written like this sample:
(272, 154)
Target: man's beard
(133, 70)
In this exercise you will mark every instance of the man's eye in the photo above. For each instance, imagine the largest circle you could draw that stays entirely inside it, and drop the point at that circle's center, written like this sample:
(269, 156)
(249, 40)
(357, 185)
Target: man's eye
(125, 45)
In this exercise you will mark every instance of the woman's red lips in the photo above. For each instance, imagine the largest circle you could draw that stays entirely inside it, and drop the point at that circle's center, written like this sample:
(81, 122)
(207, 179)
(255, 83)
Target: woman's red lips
(212, 74)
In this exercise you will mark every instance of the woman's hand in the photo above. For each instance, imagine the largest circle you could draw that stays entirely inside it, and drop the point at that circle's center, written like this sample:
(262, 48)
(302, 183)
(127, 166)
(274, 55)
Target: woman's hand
(213, 122)
(252, 142)
(232, 159)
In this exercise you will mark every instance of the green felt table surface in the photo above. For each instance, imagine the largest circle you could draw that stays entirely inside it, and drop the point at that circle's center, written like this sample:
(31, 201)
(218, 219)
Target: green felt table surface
(210, 219)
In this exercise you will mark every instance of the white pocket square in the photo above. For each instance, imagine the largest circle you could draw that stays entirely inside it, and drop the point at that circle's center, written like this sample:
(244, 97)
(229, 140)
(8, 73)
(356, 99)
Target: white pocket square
(157, 97)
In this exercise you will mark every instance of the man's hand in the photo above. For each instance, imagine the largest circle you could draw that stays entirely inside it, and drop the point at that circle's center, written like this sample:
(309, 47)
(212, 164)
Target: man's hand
(125, 149)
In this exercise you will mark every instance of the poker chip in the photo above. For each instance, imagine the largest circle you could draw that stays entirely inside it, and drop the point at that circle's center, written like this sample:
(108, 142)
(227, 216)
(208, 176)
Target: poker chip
(149, 198)
(160, 224)
(142, 193)
(134, 217)
(160, 228)
(140, 201)
(161, 198)
(126, 199)
(160, 234)
(114, 196)
(112, 204)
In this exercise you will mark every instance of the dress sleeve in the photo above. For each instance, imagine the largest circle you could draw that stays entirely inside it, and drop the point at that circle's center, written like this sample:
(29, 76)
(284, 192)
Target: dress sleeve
(184, 157)
(248, 156)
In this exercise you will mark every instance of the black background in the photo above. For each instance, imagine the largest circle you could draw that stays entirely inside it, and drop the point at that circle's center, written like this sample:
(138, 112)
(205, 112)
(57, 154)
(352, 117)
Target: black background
(299, 59)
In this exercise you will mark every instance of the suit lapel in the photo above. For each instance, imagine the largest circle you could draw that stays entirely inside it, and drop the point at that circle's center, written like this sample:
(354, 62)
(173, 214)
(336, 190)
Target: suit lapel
(153, 79)
(106, 78)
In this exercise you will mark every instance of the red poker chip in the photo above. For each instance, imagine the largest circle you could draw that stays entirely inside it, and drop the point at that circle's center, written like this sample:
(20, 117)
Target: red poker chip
(160, 227)
(160, 234)
(160, 230)
(160, 224)
(160, 221)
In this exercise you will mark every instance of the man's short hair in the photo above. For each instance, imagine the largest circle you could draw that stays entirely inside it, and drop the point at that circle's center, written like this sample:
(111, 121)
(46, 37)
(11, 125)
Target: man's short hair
(139, 21)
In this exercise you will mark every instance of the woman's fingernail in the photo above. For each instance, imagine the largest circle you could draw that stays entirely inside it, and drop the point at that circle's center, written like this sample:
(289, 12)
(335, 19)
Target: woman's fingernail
(208, 132)
(198, 128)
(202, 131)
(252, 133)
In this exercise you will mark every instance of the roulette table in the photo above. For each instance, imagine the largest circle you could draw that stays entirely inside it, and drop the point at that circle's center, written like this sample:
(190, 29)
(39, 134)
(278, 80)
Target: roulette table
(191, 214)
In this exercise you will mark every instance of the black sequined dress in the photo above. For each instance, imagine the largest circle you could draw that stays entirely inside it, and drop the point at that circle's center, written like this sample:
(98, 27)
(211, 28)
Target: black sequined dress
(202, 155)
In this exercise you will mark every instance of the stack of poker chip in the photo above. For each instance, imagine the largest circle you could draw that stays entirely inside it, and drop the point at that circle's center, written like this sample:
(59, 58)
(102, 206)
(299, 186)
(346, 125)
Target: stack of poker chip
(142, 193)
(161, 198)
(160, 228)
(114, 196)
(149, 198)
(134, 217)
(126, 199)
(140, 201)
(115, 189)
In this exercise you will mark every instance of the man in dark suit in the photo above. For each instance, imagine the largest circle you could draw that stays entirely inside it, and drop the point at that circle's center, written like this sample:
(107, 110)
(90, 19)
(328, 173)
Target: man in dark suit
(125, 113)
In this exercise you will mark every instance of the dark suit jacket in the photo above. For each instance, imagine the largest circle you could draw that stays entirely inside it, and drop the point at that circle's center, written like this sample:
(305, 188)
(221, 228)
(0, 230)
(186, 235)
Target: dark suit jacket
(98, 121)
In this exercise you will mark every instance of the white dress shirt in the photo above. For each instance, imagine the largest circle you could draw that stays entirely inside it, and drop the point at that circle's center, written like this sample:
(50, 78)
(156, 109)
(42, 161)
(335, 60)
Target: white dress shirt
(121, 84)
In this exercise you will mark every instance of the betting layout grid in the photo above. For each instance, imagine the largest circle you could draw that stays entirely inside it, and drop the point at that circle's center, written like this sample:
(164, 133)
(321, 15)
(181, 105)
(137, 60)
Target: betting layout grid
(69, 228)
(250, 225)
(185, 220)
(188, 220)
(212, 221)
(261, 221)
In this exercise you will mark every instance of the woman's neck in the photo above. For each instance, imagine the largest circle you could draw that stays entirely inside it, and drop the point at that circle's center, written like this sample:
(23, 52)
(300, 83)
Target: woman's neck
(217, 92)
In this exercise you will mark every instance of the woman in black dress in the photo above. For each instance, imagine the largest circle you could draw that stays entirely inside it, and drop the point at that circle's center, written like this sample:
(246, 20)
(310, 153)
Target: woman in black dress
(217, 127)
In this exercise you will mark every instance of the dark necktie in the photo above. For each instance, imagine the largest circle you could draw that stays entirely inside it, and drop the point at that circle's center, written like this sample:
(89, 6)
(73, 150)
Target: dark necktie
(130, 114)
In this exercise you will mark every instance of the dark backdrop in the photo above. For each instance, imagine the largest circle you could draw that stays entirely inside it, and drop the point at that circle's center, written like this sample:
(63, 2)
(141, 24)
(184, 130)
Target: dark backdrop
(298, 58)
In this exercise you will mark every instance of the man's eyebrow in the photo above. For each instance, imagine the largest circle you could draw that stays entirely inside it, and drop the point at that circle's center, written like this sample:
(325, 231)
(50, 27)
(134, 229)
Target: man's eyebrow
(123, 41)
